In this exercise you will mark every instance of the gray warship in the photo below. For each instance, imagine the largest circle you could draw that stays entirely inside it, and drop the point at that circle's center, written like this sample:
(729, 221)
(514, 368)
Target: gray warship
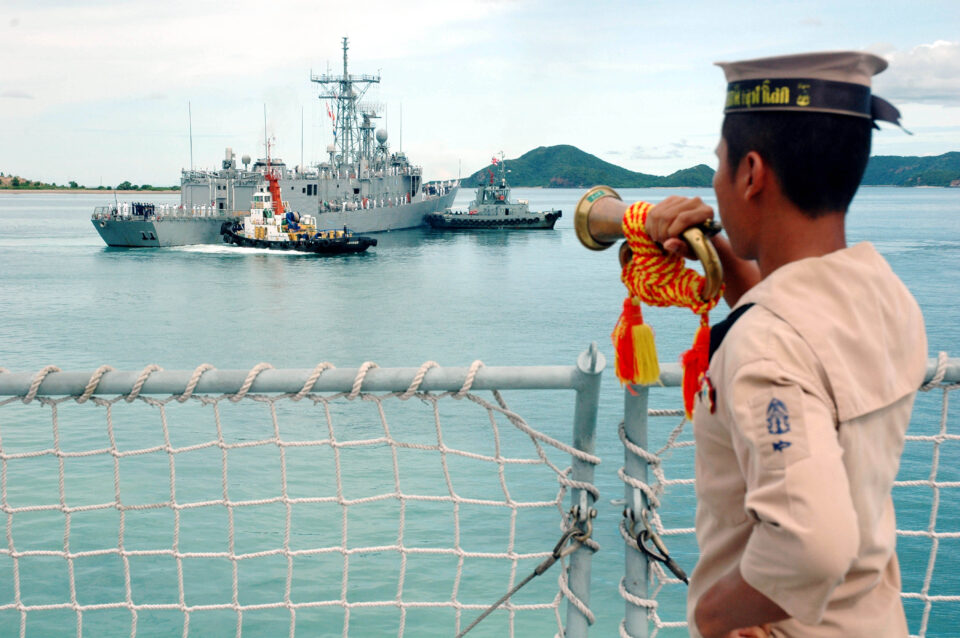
(361, 185)
(492, 209)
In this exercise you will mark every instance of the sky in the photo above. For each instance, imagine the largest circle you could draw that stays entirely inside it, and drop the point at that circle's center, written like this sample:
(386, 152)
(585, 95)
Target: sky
(102, 91)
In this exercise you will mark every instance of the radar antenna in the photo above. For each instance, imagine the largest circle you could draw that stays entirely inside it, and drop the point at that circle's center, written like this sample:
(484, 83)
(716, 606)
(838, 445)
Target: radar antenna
(344, 93)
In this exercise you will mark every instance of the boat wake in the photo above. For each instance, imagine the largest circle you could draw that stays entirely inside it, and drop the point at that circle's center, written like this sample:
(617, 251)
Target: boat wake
(216, 249)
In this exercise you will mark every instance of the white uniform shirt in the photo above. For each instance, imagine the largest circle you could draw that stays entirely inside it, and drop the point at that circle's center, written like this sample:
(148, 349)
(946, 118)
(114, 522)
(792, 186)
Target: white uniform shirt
(799, 434)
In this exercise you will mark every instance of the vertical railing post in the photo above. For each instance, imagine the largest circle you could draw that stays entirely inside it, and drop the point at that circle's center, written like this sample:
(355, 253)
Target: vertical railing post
(590, 365)
(635, 562)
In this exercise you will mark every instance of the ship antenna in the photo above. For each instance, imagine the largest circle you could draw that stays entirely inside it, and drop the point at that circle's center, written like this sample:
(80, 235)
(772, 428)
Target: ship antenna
(190, 124)
(265, 131)
(345, 91)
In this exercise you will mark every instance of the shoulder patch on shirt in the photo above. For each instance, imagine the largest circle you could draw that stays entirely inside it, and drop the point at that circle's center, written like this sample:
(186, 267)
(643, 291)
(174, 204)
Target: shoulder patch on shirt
(777, 426)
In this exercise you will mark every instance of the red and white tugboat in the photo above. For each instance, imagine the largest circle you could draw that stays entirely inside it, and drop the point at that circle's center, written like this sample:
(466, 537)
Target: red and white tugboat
(271, 225)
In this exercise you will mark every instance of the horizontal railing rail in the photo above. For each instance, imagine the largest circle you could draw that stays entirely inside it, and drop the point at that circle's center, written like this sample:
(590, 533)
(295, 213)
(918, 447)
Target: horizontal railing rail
(268, 380)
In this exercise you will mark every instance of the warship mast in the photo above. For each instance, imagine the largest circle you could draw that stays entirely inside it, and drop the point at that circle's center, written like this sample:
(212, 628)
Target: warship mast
(352, 140)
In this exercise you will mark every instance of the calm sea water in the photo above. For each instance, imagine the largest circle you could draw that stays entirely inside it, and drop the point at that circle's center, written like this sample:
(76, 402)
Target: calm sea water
(518, 298)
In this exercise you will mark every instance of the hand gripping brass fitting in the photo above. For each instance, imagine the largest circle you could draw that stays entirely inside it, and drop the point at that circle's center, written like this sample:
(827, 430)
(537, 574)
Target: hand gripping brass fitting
(697, 237)
(659, 551)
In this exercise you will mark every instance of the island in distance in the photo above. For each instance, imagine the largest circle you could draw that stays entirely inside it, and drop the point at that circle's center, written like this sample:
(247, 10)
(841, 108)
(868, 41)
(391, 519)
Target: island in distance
(566, 166)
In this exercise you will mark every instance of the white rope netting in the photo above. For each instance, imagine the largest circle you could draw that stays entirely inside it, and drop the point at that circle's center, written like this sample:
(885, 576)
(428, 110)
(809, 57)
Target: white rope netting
(660, 583)
(316, 513)
(929, 584)
(924, 584)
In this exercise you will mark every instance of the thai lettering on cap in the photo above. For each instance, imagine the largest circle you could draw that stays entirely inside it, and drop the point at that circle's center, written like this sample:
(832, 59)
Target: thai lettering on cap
(829, 82)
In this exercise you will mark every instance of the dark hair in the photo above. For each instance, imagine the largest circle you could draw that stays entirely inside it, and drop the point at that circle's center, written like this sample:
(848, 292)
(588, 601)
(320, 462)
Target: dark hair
(819, 158)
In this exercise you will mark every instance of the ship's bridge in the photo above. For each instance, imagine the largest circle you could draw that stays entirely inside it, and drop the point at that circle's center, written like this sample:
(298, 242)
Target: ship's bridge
(261, 200)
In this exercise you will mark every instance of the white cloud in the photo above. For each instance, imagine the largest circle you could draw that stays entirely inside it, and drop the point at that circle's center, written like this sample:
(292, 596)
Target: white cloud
(76, 53)
(16, 94)
(929, 73)
(674, 150)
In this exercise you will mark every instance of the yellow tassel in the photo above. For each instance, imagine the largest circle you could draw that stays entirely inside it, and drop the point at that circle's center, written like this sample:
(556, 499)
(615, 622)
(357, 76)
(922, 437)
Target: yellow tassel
(648, 369)
(634, 346)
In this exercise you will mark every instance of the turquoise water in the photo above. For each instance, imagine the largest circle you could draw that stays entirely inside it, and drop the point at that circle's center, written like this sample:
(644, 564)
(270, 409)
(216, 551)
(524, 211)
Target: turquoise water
(520, 298)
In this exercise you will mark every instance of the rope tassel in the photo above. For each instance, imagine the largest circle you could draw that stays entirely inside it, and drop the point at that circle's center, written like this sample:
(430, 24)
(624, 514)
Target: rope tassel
(635, 347)
(695, 362)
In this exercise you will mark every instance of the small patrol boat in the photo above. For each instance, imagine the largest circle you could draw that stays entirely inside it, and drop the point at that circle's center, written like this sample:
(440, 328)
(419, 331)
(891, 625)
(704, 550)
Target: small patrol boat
(492, 209)
(270, 225)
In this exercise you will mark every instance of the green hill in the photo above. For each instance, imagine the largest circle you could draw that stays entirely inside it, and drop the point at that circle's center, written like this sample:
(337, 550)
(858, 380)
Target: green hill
(566, 166)
(895, 170)
(699, 175)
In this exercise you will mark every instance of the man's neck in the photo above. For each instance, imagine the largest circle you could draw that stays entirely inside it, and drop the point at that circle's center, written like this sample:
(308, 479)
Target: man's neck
(789, 236)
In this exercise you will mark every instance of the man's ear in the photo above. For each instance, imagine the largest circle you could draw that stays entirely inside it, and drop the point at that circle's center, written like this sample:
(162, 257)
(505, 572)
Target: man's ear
(754, 175)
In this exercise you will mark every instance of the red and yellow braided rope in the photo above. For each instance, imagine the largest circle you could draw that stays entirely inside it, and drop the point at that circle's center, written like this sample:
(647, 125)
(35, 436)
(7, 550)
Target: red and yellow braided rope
(657, 279)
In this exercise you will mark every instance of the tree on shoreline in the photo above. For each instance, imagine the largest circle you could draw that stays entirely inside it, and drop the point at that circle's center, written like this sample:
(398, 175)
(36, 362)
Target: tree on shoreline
(13, 182)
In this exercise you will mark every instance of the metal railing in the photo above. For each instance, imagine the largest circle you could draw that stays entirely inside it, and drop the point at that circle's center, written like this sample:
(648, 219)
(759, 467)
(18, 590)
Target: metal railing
(159, 212)
(643, 579)
(325, 387)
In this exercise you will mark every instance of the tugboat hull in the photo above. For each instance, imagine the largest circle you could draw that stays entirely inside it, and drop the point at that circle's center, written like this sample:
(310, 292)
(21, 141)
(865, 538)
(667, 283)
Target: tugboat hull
(461, 221)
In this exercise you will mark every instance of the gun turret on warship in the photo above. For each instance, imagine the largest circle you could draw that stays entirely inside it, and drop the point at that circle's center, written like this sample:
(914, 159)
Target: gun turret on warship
(361, 184)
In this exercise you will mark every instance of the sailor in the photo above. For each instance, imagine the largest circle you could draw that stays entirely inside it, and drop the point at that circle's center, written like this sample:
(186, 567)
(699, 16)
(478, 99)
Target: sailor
(800, 422)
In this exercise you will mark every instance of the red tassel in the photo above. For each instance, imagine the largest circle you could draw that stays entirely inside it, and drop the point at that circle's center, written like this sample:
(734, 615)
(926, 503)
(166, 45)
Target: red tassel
(695, 362)
(633, 343)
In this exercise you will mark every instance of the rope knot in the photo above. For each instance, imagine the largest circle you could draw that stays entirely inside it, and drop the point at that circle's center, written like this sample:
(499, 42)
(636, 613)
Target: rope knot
(657, 278)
